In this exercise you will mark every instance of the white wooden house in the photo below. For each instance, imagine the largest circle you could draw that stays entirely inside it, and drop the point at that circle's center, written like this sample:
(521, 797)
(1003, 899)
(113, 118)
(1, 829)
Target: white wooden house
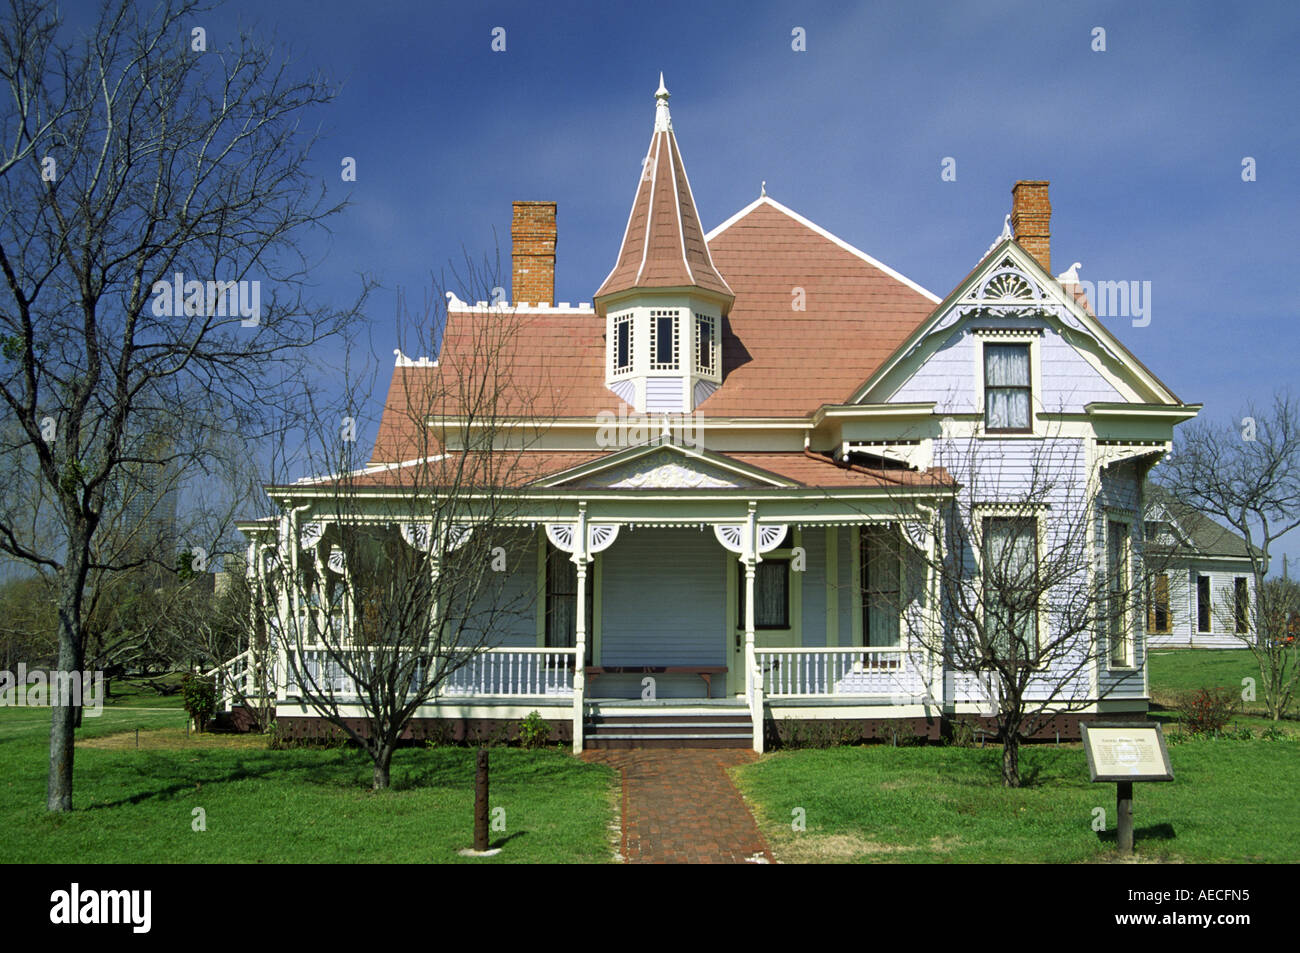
(1202, 583)
(806, 401)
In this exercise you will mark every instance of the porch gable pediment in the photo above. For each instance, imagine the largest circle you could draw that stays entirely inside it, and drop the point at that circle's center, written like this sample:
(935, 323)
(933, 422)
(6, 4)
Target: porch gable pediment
(664, 468)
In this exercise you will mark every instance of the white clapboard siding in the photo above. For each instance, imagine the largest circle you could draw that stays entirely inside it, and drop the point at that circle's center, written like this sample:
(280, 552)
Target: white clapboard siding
(663, 602)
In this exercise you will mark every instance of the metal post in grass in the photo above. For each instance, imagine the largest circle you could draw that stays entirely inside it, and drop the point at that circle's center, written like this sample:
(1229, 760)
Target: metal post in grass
(1124, 816)
(481, 801)
(1124, 753)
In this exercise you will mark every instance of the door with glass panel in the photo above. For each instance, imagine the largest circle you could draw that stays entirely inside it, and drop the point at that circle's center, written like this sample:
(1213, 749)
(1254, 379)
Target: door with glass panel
(562, 601)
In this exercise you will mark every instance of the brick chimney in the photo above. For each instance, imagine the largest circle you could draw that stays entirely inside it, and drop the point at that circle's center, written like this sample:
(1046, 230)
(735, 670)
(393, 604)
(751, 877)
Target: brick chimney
(1031, 220)
(532, 234)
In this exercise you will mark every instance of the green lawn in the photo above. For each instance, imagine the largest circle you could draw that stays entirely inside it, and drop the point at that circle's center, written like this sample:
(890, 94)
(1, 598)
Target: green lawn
(302, 806)
(1230, 801)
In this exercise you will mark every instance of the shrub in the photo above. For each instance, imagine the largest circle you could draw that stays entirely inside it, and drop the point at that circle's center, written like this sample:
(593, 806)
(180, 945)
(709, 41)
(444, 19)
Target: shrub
(534, 731)
(199, 696)
(1206, 712)
(963, 734)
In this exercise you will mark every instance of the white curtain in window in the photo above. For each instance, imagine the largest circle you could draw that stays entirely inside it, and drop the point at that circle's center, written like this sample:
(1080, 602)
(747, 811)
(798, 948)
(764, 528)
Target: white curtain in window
(770, 594)
(1007, 367)
(1011, 594)
(881, 562)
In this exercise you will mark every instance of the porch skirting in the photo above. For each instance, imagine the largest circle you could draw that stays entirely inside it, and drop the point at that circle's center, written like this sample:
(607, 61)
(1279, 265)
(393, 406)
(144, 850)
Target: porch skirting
(784, 726)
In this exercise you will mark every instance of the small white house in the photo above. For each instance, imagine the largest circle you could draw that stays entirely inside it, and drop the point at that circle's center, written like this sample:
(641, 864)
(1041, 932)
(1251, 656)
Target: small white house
(1202, 586)
(807, 403)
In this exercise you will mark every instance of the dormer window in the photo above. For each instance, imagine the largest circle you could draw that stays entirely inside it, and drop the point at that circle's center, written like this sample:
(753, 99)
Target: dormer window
(706, 345)
(663, 340)
(622, 343)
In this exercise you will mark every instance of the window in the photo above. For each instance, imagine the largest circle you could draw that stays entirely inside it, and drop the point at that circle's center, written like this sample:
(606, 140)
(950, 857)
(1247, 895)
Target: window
(1010, 573)
(706, 345)
(623, 343)
(771, 595)
(562, 602)
(1202, 603)
(1117, 581)
(1158, 605)
(1007, 388)
(663, 340)
(881, 586)
(1241, 607)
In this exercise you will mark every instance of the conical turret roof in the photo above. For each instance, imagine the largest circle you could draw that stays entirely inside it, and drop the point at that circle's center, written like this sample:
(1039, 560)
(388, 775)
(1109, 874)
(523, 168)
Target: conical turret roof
(664, 245)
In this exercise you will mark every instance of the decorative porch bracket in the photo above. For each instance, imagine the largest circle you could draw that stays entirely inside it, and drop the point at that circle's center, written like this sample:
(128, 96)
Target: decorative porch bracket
(420, 536)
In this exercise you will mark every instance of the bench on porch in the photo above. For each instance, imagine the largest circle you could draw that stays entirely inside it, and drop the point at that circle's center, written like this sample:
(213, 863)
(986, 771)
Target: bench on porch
(705, 672)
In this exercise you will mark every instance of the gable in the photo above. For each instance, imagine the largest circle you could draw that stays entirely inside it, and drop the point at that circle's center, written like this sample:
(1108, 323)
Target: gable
(1080, 361)
(664, 467)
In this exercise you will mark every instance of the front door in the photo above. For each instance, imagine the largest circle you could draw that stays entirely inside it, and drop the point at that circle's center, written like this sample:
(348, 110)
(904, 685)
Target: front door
(774, 624)
(562, 602)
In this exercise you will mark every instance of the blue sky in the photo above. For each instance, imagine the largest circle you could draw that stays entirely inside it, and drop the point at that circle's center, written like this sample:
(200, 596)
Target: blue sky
(1143, 144)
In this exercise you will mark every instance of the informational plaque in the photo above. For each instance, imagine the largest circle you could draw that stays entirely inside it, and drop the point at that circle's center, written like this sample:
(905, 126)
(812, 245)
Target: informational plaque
(1133, 751)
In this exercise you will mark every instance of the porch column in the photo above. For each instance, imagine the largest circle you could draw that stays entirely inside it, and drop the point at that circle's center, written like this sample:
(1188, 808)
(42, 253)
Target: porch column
(580, 644)
(750, 571)
(287, 598)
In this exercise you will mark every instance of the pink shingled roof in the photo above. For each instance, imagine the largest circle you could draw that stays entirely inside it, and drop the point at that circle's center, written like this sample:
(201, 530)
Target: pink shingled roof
(776, 361)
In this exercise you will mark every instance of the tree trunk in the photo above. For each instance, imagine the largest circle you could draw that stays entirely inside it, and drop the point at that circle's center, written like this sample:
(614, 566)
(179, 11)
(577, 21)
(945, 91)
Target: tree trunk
(1011, 760)
(383, 761)
(63, 726)
(65, 718)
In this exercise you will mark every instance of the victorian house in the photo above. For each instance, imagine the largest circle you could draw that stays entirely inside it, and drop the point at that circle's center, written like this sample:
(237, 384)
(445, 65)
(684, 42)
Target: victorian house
(737, 495)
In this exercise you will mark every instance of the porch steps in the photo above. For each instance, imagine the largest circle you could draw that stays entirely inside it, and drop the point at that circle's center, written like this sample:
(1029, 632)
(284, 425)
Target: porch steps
(656, 728)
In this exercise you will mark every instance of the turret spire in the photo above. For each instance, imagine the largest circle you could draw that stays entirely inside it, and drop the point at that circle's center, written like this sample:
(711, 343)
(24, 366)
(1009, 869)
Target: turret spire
(663, 119)
(664, 246)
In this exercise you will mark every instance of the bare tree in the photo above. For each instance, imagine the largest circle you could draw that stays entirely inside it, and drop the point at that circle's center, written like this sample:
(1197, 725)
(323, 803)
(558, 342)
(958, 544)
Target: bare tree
(156, 189)
(1248, 477)
(409, 571)
(1037, 594)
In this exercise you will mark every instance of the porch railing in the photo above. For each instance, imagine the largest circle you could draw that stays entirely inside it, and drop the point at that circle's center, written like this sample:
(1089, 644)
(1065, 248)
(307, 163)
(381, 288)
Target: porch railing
(239, 677)
(831, 672)
(499, 672)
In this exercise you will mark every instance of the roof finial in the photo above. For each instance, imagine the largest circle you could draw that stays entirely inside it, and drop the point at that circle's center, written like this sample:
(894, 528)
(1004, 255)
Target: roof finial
(762, 189)
(663, 120)
(1006, 233)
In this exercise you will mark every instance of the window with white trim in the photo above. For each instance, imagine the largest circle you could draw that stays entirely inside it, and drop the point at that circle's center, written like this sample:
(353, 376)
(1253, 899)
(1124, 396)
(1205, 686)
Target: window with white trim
(622, 349)
(663, 340)
(706, 344)
(882, 564)
(1011, 588)
(1008, 389)
(1118, 577)
(1241, 605)
(1204, 619)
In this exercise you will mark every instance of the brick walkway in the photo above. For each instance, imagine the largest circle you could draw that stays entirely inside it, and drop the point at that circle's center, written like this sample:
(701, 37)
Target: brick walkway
(680, 807)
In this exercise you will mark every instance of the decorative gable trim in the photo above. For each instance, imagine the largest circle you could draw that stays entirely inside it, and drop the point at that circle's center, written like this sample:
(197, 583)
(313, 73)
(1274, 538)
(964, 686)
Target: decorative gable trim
(1009, 283)
(667, 466)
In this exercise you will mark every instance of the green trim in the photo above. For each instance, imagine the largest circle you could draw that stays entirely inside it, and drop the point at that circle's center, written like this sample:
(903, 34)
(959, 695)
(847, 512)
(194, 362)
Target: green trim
(540, 601)
(855, 585)
(596, 580)
(735, 672)
(832, 587)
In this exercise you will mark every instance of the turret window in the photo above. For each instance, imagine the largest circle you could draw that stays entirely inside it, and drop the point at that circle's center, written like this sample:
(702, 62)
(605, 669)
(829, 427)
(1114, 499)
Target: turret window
(706, 345)
(623, 343)
(663, 341)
